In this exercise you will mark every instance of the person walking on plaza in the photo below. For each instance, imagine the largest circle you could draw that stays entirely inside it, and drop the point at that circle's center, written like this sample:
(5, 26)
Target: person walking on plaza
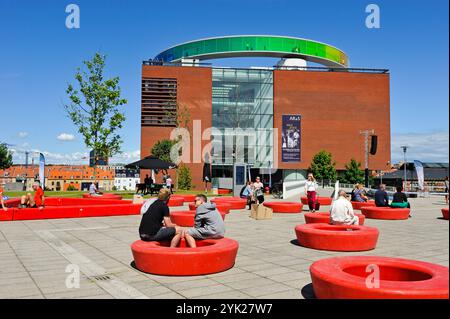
(341, 211)
(258, 192)
(311, 192)
(381, 197)
(36, 201)
(208, 223)
(156, 224)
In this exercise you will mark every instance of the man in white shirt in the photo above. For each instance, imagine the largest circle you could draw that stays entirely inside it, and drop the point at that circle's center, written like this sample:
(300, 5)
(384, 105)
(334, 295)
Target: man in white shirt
(341, 212)
(93, 191)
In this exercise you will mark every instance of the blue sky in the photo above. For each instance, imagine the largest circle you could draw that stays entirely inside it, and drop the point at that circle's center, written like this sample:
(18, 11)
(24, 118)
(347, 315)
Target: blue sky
(39, 55)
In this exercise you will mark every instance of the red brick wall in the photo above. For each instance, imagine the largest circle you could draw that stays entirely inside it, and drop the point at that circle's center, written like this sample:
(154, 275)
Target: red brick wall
(195, 93)
(334, 107)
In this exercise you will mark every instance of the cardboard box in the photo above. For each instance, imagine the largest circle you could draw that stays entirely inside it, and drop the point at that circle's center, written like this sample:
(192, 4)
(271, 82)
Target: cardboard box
(260, 211)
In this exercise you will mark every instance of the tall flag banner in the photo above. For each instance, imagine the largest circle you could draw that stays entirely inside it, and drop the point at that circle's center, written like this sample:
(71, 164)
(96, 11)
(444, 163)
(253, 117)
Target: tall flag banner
(419, 171)
(42, 170)
(291, 138)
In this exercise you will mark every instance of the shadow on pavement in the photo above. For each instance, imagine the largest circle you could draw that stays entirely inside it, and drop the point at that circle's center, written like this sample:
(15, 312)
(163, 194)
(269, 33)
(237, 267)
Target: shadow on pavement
(308, 292)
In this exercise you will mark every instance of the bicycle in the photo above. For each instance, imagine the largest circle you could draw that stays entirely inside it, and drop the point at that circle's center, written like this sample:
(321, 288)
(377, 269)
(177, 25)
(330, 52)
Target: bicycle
(277, 190)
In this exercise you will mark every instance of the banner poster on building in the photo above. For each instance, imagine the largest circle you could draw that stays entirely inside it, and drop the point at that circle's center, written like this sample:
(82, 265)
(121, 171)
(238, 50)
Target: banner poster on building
(291, 138)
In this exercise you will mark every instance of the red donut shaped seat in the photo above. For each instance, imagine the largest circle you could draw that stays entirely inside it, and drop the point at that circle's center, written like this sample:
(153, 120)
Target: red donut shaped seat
(445, 213)
(188, 198)
(385, 213)
(221, 207)
(337, 237)
(285, 207)
(210, 256)
(175, 201)
(356, 278)
(316, 218)
(323, 201)
(185, 218)
(234, 202)
(358, 205)
(103, 196)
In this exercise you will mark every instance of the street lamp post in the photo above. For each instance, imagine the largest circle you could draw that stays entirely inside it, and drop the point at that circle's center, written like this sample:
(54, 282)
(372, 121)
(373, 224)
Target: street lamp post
(366, 134)
(404, 148)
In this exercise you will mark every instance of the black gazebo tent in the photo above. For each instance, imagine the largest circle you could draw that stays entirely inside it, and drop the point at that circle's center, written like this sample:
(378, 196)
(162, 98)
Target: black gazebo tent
(151, 162)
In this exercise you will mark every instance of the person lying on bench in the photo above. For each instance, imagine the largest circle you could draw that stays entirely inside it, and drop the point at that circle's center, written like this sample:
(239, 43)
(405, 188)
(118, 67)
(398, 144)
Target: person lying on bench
(208, 223)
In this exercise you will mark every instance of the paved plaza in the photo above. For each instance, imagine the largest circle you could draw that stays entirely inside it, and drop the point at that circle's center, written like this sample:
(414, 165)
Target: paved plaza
(35, 255)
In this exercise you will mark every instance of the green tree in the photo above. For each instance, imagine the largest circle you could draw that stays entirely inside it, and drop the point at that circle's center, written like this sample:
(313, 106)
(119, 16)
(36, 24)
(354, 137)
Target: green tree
(323, 166)
(184, 178)
(353, 174)
(5, 157)
(94, 108)
(161, 149)
(71, 188)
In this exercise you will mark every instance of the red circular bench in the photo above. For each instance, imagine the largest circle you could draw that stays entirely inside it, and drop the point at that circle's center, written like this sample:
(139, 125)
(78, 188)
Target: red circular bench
(175, 201)
(223, 191)
(235, 202)
(103, 196)
(316, 218)
(188, 198)
(61, 207)
(285, 207)
(221, 207)
(445, 213)
(354, 278)
(386, 213)
(337, 237)
(210, 256)
(323, 201)
(358, 205)
(185, 218)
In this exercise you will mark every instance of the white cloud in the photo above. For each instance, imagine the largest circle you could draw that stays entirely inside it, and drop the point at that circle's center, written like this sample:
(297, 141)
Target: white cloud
(126, 157)
(22, 134)
(74, 158)
(425, 147)
(65, 137)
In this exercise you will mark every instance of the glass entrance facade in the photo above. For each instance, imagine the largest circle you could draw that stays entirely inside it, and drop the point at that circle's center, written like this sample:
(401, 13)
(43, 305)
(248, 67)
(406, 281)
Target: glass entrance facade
(242, 117)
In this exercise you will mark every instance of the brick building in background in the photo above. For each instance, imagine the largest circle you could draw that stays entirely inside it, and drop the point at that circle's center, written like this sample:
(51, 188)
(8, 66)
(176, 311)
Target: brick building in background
(334, 104)
(59, 177)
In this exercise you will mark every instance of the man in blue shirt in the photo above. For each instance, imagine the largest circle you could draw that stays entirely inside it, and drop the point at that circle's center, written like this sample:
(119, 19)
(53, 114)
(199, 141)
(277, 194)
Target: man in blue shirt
(381, 197)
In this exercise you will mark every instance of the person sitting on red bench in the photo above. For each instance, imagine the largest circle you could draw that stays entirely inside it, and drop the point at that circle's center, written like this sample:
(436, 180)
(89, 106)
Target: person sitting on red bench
(36, 201)
(2, 202)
